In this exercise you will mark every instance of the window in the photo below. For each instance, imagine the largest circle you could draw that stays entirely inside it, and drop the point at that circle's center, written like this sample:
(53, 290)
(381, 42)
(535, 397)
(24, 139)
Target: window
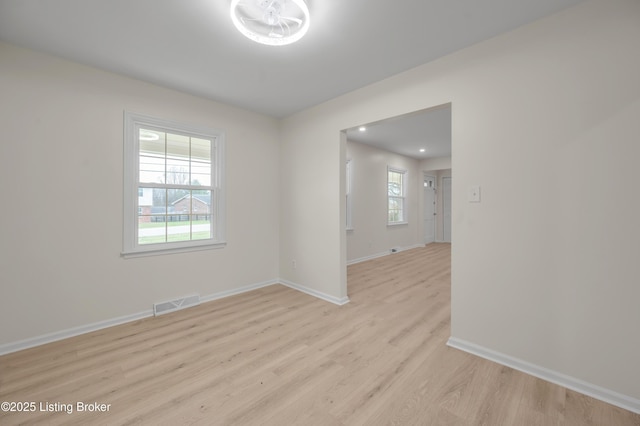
(396, 195)
(348, 202)
(173, 187)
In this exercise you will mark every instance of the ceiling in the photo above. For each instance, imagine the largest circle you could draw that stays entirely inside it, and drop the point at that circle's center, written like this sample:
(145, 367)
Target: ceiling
(192, 45)
(407, 134)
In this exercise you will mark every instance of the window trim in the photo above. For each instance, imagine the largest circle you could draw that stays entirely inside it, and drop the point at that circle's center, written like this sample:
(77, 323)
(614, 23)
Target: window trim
(402, 197)
(131, 248)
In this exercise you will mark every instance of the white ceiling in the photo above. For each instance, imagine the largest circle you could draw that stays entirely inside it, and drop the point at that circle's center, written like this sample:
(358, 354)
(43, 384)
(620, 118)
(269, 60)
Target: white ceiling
(407, 134)
(192, 46)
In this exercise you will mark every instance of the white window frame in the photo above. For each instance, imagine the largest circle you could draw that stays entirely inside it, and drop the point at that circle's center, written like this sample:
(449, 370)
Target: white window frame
(132, 123)
(402, 198)
(349, 195)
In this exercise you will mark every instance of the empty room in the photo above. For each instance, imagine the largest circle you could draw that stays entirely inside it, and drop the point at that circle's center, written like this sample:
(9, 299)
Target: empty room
(320, 212)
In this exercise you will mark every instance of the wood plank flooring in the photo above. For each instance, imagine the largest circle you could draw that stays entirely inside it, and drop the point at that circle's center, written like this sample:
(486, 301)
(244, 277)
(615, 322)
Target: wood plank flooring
(276, 356)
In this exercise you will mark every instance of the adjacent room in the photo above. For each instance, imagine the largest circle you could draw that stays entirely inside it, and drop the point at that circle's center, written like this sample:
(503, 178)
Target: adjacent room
(410, 156)
(319, 212)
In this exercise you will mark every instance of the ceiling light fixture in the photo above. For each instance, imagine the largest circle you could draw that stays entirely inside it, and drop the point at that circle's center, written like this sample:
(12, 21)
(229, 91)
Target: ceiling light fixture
(362, 129)
(422, 150)
(271, 22)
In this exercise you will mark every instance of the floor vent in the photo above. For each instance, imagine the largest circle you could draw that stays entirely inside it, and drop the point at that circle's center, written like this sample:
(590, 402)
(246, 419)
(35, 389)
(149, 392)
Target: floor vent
(175, 305)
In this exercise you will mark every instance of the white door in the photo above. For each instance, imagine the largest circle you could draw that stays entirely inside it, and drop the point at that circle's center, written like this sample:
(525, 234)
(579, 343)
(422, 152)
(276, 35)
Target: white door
(429, 209)
(446, 209)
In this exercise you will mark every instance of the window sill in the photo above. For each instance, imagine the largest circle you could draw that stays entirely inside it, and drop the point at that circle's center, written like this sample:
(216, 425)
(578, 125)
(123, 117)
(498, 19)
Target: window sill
(397, 223)
(171, 250)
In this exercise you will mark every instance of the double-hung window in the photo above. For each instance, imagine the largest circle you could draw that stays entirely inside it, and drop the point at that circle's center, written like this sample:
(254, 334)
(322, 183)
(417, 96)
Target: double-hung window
(396, 193)
(173, 187)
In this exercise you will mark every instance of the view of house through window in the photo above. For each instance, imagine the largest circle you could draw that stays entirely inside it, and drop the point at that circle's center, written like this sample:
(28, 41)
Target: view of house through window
(175, 181)
(396, 195)
(175, 172)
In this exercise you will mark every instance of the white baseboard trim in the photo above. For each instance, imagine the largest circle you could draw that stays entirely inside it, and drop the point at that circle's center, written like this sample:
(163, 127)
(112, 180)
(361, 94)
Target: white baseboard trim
(88, 328)
(71, 332)
(597, 392)
(240, 290)
(412, 247)
(364, 259)
(315, 293)
(75, 331)
(385, 253)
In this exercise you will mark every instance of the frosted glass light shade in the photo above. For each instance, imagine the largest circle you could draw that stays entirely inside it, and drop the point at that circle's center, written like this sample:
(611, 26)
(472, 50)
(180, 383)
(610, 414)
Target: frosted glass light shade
(271, 22)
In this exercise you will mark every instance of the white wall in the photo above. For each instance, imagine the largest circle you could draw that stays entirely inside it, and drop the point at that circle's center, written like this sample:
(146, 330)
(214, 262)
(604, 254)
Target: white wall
(312, 218)
(61, 217)
(544, 269)
(371, 236)
(438, 163)
(545, 119)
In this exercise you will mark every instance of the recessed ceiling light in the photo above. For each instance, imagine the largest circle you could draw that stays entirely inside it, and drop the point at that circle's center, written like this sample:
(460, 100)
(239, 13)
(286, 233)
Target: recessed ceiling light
(362, 129)
(271, 22)
(422, 150)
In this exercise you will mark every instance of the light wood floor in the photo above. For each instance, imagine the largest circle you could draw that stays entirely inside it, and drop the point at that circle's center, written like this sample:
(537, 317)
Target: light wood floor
(276, 356)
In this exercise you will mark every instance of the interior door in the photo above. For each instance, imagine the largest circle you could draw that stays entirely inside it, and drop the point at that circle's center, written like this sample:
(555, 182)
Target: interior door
(446, 209)
(429, 209)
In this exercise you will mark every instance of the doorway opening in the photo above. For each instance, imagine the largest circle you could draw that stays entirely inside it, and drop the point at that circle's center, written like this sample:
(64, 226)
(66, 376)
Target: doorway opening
(418, 142)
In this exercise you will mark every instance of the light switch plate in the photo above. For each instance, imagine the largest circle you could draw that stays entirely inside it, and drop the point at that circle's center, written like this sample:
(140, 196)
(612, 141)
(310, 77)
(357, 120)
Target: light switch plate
(474, 194)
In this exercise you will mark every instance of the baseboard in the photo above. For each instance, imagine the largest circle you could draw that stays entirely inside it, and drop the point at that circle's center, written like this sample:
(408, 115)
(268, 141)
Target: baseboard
(597, 392)
(315, 293)
(385, 253)
(75, 331)
(233, 292)
(365, 258)
(412, 247)
(71, 332)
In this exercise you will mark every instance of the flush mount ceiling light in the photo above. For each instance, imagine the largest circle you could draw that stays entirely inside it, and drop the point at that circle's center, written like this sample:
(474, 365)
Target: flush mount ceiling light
(272, 22)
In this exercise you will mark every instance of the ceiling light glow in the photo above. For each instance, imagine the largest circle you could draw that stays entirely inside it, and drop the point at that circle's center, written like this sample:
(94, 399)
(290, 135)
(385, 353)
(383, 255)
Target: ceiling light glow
(362, 129)
(146, 135)
(422, 150)
(271, 22)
